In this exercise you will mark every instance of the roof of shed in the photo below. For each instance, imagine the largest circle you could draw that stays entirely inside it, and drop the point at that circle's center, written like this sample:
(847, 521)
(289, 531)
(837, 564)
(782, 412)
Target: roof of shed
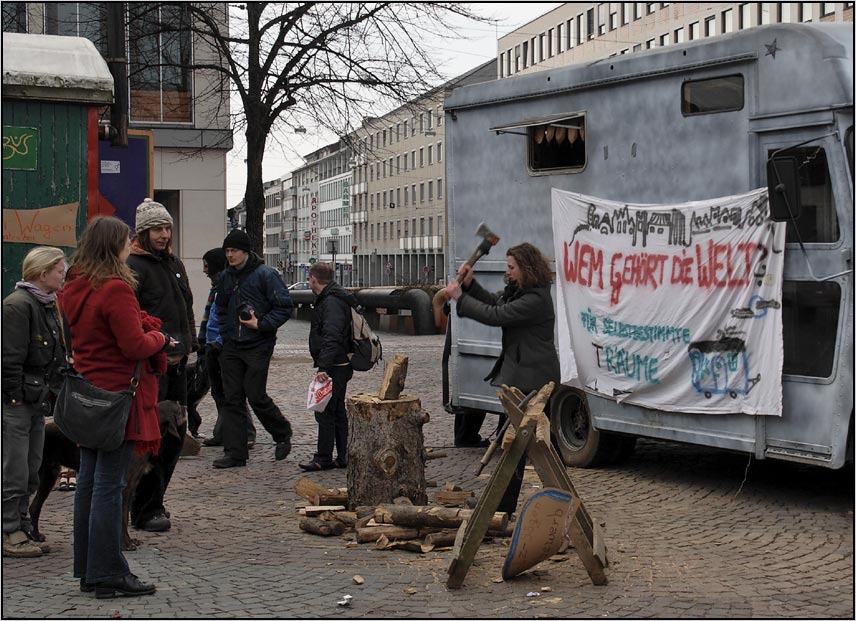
(54, 68)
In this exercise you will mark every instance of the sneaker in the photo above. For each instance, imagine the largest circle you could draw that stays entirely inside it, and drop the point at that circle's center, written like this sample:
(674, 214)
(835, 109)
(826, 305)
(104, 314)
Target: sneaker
(228, 462)
(18, 545)
(157, 524)
(282, 449)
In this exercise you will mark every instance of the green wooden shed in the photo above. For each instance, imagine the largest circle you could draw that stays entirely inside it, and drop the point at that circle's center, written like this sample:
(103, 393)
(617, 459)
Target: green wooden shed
(54, 89)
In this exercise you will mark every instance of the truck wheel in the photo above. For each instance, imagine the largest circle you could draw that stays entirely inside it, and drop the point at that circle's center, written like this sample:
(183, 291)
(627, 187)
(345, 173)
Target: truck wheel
(579, 444)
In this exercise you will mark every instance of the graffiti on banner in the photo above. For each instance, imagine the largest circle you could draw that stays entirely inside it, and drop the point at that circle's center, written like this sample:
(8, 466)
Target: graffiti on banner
(671, 307)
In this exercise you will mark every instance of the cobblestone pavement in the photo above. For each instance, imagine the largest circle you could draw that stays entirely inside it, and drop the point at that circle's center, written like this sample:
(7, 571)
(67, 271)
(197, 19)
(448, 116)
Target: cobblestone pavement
(687, 536)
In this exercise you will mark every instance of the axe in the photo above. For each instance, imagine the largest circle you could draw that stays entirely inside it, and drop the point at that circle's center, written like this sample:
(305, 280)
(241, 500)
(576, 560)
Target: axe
(488, 241)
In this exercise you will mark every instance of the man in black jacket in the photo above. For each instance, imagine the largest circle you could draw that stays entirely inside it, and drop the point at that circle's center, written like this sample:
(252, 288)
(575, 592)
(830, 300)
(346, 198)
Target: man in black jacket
(163, 292)
(329, 344)
(252, 303)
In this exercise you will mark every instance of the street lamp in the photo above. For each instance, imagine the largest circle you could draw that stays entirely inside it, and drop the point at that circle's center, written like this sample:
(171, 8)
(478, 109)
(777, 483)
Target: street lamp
(333, 248)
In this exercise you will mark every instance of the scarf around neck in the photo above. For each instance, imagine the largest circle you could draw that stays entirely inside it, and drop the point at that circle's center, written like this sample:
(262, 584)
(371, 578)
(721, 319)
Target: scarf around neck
(42, 296)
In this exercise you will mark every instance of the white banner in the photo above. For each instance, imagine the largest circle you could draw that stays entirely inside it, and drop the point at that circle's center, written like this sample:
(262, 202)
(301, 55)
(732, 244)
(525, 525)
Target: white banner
(671, 307)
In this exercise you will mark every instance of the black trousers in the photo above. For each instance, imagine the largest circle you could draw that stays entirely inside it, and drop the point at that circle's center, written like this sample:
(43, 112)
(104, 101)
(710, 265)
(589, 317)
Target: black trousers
(333, 421)
(245, 374)
(149, 497)
(215, 375)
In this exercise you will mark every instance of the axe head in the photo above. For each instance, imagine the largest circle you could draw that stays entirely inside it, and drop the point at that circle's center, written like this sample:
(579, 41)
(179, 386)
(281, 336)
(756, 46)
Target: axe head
(487, 235)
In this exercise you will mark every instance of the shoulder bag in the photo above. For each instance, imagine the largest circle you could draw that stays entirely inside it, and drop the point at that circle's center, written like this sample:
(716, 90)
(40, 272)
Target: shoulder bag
(90, 416)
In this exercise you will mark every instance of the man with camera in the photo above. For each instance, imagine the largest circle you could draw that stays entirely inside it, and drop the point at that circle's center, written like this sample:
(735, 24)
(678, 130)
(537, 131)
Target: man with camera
(252, 303)
(163, 291)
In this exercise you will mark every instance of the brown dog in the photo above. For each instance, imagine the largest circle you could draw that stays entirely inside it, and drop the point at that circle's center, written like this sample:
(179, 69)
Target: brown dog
(61, 452)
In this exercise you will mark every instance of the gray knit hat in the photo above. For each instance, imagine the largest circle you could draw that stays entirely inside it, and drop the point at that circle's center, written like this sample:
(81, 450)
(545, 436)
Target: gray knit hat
(151, 213)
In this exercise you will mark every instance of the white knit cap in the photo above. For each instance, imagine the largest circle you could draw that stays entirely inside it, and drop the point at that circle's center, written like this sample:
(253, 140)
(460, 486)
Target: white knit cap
(151, 213)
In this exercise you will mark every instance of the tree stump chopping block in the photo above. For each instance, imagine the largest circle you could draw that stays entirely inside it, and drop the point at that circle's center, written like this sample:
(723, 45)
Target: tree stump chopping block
(386, 456)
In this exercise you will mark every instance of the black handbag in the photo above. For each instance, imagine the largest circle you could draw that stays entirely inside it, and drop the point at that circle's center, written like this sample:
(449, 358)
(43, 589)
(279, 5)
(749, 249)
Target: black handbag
(90, 416)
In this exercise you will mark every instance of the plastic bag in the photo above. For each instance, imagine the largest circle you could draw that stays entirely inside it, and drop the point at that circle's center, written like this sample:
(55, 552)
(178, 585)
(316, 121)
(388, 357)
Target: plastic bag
(319, 394)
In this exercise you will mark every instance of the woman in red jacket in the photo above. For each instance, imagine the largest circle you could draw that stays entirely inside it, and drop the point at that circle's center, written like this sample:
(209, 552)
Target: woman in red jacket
(109, 334)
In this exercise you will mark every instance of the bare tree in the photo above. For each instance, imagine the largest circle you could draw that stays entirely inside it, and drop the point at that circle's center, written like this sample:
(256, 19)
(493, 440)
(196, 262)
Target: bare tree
(324, 64)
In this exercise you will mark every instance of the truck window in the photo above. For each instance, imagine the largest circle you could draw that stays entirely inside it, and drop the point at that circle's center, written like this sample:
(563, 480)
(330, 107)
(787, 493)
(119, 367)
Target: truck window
(557, 146)
(712, 95)
(817, 222)
(809, 324)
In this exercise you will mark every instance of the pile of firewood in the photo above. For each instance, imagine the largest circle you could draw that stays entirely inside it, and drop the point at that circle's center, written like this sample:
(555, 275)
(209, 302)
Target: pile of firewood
(399, 525)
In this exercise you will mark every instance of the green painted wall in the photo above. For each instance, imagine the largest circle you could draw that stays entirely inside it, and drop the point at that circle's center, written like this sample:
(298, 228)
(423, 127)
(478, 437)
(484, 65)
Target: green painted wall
(60, 176)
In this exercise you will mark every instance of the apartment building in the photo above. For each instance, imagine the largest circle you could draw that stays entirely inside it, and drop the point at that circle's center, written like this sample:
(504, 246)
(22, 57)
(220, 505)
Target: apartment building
(582, 31)
(186, 111)
(273, 228)
(321, 199)
(399, 191)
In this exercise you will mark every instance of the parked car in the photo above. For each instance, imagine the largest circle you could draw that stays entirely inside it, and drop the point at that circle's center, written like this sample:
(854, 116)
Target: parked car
(299, 286)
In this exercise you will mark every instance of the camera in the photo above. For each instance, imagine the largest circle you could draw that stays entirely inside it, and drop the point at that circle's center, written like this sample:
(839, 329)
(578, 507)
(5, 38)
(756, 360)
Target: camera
(244, 311)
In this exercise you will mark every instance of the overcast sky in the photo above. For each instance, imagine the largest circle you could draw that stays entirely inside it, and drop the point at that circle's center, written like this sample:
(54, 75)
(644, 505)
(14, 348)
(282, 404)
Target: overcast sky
(457, 57)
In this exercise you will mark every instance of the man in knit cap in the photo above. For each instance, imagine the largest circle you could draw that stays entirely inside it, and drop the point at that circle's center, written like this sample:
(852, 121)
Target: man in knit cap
(252, 303)
(163, 291)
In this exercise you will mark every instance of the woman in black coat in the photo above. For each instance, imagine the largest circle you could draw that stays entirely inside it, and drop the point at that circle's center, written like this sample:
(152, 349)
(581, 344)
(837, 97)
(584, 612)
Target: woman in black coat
(524, 311)
(33, 355)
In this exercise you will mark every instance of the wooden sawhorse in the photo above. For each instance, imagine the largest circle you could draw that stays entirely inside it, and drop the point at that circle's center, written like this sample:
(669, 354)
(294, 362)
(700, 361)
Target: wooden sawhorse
(532, 437)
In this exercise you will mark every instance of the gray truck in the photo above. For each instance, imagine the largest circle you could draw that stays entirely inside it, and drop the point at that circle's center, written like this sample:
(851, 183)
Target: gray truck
(768, 106)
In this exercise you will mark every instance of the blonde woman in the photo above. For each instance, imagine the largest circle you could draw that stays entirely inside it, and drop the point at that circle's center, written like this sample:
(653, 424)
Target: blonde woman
(109, 334)
(32, 357)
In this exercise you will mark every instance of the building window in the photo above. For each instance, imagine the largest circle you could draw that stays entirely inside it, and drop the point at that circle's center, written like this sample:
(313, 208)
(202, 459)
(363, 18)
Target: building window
(626, 12)
(679, 35)
(570, 33)
(398, 196)
(613, 16)
(413, 160)
(439, 117)
(745, 16)
(664, 40)
(397, 164)
(710, 26)
(581, 29)
(650, 7)
(439, 189)
(421, 122)
(405, 128)
(786, 15)
(589, 24)
(384, 203)
(421, 157)
(384, 137)
(695, 30)
(557, 147)
(390, 167)
(15, 17)
(430, 154)
(827, 8)
(650, 44)
(422, 192)
(406, 202)
(638, 10)
(805, 11)
(767, 13)
(550, 43)
(712, 95)
(727, 21)
(413, 194)
(158, 64)
(75, 19)
(560, 42)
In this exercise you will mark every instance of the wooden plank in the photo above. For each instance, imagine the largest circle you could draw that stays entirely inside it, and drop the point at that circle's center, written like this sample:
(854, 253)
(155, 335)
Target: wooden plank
(477, 525)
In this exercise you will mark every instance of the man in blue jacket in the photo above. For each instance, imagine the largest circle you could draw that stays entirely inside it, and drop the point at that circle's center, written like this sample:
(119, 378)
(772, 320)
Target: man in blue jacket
(252, 303)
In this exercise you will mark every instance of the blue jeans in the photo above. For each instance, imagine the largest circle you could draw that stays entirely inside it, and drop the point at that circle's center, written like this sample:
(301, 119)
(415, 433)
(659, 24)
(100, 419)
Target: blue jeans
(98, 514)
